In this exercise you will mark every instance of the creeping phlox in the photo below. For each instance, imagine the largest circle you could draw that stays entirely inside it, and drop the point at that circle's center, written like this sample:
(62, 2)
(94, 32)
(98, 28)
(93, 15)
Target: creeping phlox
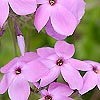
(60, 18)
(20, 7)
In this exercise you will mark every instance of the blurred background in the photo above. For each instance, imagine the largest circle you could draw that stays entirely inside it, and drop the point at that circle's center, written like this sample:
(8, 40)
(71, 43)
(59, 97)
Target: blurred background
(86, 39)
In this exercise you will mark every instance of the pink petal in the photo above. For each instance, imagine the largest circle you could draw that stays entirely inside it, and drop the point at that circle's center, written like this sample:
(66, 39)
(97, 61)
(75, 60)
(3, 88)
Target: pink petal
(48, 63)
(23, 7)
(33, 71)
(21, 44)
(44, 92)
(93, 63)
(64, 49)
(77, 7)
(72, 76)
(42, 1)
(68, 22)
(45, 52)
(89, 82)
(19, 89)
(42, 16)
(50, 77)
(61, 98)
(42, 98)
(80, 65)
(5, 82)
(6, 68)
(29, 56)
(4, 11)
(56, 88)
(98, 83)
(51, 32)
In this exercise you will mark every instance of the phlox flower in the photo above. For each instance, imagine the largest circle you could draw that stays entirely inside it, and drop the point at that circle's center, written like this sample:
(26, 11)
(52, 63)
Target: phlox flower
(60, 16)
(18, 72)
(58, 59)
(20, 7)
(91, 77)
(56, 91)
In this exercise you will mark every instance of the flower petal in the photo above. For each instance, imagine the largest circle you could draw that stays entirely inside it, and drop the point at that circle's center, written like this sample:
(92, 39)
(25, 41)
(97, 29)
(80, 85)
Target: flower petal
(72, 76)
(5, 82)
(48, 63)
(51, 32)
(42, 16)
(42, 1)
(61, 98)
(29, 56)
(34, 70)
(98, 83)
(45, 52)
(19, 89)
(89, 82)
(56, 88)
(6, 68)
(64, 49)
(21, 44)
(44, 92)
(80, 65)
(4, 11)
(23, 7)
(77, 7)
(68, 22)
(93, 63)
(42, 98)
(50, 76)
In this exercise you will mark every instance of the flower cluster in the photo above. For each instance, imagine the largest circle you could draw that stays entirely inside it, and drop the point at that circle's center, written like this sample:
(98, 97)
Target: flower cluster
(42, 68)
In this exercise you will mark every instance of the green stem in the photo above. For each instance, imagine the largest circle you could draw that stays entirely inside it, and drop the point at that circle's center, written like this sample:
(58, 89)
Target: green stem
(28, 42)
(13, 35)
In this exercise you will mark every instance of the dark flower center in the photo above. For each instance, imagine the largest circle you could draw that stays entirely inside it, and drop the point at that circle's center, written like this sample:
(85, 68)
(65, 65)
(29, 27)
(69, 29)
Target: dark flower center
(95, 70)
(18, 71)
(48, 97)
(59, 62)
(52, 2)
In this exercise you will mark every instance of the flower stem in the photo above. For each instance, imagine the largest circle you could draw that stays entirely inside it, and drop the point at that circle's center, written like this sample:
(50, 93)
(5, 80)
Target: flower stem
(13, 35)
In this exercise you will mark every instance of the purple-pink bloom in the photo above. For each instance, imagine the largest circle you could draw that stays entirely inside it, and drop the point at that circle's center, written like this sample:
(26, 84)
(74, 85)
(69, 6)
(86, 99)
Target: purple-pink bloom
(20, 38)
(18, 72)
(20, 7)
(58, 60)
(56, 91)
(91, 77)
(60, 16)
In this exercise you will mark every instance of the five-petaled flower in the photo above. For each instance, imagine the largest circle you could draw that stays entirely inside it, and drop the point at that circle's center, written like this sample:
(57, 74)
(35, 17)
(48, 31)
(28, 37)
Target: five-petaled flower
(18, 72)
(20, 7)
(56, 91)
(60, 16)
(92, 77)
(58, 59)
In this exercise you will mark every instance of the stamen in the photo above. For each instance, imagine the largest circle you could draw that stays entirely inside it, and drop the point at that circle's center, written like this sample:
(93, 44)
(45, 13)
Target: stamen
(52, 2)
(18, 71)
(48, 97)
(95, 70)
(59, 62)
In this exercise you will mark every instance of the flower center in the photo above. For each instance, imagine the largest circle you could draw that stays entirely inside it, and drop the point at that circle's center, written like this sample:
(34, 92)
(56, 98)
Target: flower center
(59, 62)
(95, 70)
(52, 2)
(48, 97)
(18, 71)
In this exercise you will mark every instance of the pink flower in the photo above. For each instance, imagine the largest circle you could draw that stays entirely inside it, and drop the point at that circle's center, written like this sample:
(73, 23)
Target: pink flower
(20, 38)
(60, 16)
(18, 72)
(57, 91)
(58, 59)
(91, 78)
(20, 7)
